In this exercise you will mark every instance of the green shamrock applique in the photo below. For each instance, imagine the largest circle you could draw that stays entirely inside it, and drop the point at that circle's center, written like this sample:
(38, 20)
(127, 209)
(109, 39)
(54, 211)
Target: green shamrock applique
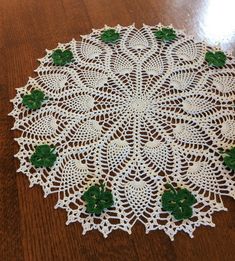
(97, 199)
(179, 202)
(229, 158)
(216, 59)
(110, 36)
(62, 57)
(33, 100)
(165, 34)
(43, 156)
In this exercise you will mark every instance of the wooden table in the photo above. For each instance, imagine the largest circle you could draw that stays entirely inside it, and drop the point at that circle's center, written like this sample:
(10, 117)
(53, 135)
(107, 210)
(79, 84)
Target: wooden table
(30, 227)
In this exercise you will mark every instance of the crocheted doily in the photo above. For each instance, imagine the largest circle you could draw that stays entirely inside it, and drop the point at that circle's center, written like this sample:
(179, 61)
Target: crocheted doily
(136, 114)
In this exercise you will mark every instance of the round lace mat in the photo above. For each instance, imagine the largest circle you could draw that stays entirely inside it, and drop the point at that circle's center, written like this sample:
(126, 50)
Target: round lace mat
(135, 115)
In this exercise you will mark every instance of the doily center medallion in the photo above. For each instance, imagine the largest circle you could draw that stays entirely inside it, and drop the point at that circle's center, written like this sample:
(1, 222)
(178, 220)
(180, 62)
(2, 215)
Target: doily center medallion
(139, 105)
(131, 125)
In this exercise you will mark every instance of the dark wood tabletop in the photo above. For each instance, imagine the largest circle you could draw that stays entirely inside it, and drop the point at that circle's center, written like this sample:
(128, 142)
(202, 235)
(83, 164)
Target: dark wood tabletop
(30, 227)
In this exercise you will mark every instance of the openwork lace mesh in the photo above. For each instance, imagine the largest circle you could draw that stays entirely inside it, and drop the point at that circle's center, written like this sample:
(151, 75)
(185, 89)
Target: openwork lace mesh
(135, 115)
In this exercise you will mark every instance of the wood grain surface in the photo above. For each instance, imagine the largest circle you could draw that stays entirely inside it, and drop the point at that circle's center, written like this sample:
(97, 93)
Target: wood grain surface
(30, 228)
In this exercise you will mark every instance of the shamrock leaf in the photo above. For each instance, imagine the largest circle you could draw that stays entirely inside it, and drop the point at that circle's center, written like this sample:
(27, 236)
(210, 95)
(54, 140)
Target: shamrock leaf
(43, 156)
(110, 36)
(34, 100)
(229, 158)
(97, 199)
(165, 34)
(179, 202)
(217, 59)
(62, 57)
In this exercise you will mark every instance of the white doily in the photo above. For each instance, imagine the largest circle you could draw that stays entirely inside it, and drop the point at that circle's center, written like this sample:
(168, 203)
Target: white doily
(136, 115)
